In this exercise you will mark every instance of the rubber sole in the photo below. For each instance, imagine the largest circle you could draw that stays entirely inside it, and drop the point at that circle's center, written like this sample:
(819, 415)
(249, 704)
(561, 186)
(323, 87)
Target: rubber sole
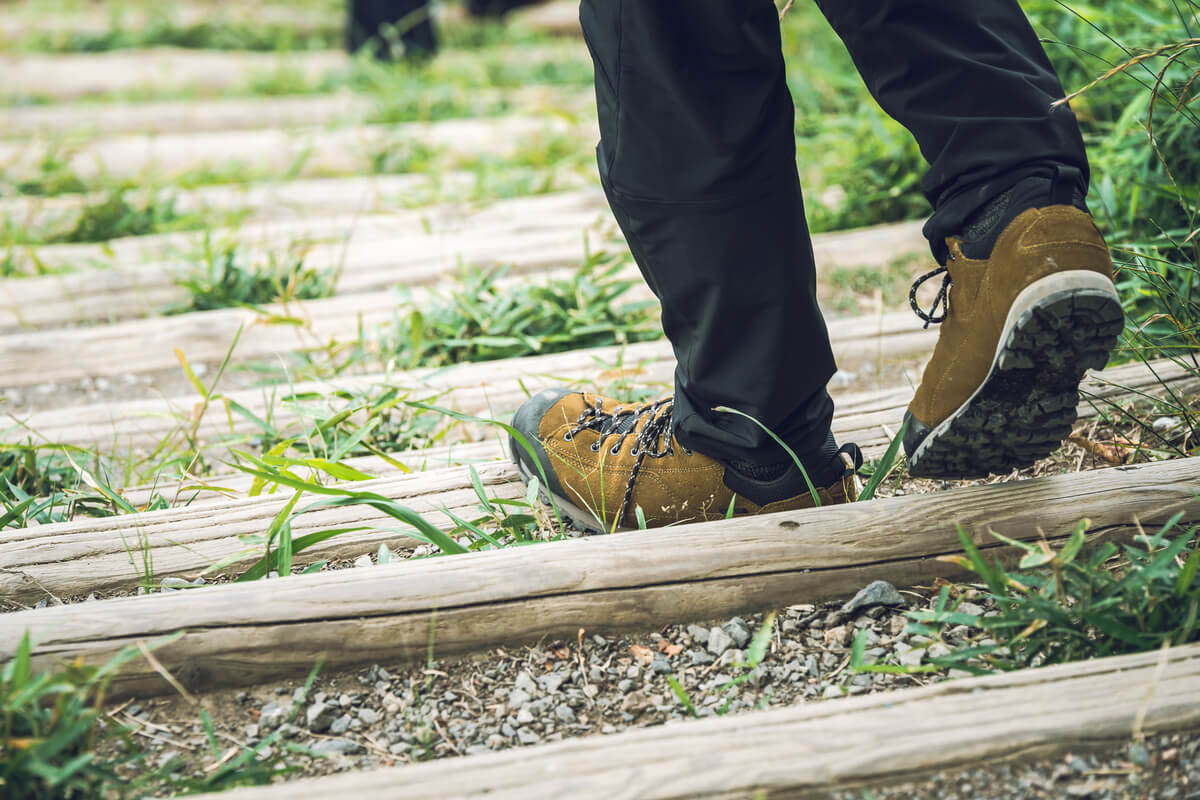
(580, 518)
(1058, 328)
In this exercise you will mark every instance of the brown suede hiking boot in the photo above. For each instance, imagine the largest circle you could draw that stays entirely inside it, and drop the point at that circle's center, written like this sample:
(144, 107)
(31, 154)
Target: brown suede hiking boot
(603, 460)
(1020, 328)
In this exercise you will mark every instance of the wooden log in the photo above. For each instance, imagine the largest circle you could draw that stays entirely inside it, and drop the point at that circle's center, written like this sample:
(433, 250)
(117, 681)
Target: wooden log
(73, 558)
(174, 116)
(356, 243)
(300, 152)
(164, 70)
(231, 114)
(19, 23)
(372, 264)
(811, 750)
(474, 387)
(239, 634)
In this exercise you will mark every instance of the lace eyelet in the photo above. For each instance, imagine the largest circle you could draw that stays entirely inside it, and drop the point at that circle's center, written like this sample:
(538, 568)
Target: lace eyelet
(595, 447)
(670, 451)
(568, 436)
(688, 452)
(616, 451)
(634, 452)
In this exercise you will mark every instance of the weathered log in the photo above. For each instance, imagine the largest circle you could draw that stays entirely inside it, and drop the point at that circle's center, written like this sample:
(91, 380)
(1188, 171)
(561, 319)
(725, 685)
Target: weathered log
(811, 750)
(65, 76)
(248, 633)
(307, 152)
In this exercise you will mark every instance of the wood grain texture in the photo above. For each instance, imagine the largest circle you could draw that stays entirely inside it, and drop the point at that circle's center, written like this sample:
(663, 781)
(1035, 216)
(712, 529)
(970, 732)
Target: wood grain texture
(809, 750)
(69, 76)
(240, 634)
(74, 558)
(306, 152)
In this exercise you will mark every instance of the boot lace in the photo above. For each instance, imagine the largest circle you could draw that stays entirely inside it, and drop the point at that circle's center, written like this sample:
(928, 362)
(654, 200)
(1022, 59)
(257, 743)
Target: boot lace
(653, 439)
(942, 301)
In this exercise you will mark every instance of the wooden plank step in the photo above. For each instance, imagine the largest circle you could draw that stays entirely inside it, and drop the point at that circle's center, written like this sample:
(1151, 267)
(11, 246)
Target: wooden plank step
(240, 634)
(326, 238)
(68, 76)
(476, 387)
(174, 116)
(262, 201)
(21, 20)
(811, 750)
(74, 558)
(299, 152)
(226, 114)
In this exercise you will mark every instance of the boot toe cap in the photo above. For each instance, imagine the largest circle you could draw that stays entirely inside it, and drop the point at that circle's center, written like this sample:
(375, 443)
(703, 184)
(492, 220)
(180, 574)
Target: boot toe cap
(527, 421)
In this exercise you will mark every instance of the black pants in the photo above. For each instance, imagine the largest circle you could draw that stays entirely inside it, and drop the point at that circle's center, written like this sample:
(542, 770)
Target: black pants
(697, 156)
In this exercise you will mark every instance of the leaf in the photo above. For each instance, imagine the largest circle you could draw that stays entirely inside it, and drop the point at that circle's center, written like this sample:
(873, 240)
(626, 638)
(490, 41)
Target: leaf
(669, 649)
(885, 465)
(643, 654)
(761, 641)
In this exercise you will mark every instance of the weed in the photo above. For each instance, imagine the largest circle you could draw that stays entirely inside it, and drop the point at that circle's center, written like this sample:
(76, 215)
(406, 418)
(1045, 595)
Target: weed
(483, 320)
(227, 278)
(1086, 600)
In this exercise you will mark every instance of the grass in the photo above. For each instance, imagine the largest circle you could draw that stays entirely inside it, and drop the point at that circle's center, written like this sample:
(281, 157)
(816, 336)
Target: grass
(228, 278)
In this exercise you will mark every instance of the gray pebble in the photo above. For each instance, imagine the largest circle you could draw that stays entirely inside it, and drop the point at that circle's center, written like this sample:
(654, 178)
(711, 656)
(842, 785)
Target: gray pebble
(660, 665)
(596, 675)
(526, 736)
(320, 716)
(700, 658)
(719, 641)
(551, 681)
(524, 716)
(739, 631)
(699, 635)
(526, 684)
(342, 747)
(399, 748)
(518, 698)
(369, 716)
(625, 686)
(876, 593)
(340, 725)
(272, 716)
(565, 714)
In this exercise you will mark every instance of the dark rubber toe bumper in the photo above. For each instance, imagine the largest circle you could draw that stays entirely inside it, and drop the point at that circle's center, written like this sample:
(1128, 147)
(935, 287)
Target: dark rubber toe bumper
(527, 421)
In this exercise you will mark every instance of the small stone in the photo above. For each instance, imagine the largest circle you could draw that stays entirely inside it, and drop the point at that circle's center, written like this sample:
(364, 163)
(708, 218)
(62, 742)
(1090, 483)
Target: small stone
(699, 635)
(340, 725)
(831, 691)
(340, 747)
(719, 641)
(518, 698)
(272, 716)
(596, 675)
(625, 686)
(320, 716)
(1139, 754)
(175, 583)
(368, 716)
(739, 631)
(700, 658)
(974, 609)
(364, 561)
(477, 749)
(938, 650)
(811, 666)
(251, 731)
(660, 665)
(550, 682)
(565, 714)
(526, 736)
(399, 748)
(524, 716)
(525, 683)
(876, 593)
(1164, 424)
(731, 657)
(599, 640)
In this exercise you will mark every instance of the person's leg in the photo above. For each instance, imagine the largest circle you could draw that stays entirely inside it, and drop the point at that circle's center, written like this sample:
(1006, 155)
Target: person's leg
(411, 20)
(1032, 303)
(697, 157)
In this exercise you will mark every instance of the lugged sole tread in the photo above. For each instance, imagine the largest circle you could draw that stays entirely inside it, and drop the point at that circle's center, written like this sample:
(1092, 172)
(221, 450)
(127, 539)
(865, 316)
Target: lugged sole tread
(1027, 404)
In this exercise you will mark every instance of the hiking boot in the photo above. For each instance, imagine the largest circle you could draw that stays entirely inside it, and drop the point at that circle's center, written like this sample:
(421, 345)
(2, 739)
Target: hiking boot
(604, 460)
(1031, 309)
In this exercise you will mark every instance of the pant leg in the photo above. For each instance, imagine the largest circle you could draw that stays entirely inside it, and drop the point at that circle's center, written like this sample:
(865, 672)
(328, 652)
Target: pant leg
(971, 81)
(412, 19)
(697, 156)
